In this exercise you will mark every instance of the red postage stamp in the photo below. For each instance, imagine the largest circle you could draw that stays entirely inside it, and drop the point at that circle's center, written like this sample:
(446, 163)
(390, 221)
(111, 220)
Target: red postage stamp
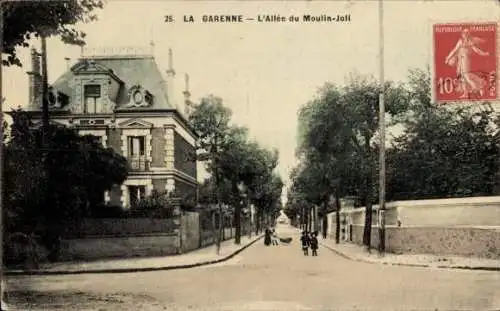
(465, 62)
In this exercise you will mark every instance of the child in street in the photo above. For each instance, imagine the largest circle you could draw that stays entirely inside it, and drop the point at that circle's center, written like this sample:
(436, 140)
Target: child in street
(274, 238)
(314, 243)
(305, 243)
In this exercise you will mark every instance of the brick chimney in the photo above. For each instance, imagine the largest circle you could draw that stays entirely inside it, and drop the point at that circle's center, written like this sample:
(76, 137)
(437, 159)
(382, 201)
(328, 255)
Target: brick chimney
(35, 81)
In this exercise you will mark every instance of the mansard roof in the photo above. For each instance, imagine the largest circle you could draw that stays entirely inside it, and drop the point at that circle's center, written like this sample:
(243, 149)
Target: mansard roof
(129, 71)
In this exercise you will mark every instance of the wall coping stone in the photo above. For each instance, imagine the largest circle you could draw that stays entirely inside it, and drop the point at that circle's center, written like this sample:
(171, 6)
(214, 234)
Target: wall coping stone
(119, 236)
(472, 202)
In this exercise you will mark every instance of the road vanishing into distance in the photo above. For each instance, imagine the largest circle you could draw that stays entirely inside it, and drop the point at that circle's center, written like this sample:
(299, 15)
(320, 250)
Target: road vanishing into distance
(265, 278)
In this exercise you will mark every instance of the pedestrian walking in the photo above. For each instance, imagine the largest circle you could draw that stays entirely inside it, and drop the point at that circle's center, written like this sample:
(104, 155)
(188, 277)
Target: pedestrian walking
(305, 243)
(275, 238)
(314, 243)
(267, 237)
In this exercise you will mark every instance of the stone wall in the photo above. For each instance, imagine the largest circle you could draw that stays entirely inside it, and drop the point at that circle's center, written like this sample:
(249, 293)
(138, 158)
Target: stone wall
(464, 226)
(114, 227)
(479, 211)
(474, 211)
(115, 196)
(206, 238)
(228, 233)
(459, 241)
(190, 229)
(114, 139)
(462, 241)
(158, 147)
(159, 184)
(183, 154)
(119, 247)
(185, 188)
(94, 239)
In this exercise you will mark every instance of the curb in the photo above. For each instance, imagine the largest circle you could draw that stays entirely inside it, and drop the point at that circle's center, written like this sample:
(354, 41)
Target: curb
(132, 270)
(341, 254)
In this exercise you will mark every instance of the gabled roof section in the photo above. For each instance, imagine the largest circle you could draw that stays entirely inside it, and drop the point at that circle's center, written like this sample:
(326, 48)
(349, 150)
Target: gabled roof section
(135, 123)
(89, 66)
(131, 70)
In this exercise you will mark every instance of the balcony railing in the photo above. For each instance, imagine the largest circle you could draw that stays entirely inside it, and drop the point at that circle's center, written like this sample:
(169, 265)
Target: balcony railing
(139, 164)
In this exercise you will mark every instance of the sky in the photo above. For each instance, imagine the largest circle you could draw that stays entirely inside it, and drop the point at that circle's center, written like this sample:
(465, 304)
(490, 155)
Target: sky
(264, 71)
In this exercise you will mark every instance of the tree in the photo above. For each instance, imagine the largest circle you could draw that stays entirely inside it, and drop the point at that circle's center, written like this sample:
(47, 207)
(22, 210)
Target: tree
(49, 196)
(210, 120)
(230, 157)
(27, 19)
(327, 156)
(437, 140)
(340, 130)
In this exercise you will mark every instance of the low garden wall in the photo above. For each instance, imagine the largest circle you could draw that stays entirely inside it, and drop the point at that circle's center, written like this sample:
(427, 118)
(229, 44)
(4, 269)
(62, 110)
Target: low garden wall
(458, 241)
(101, 238)
(120, 238)
(461, 241)
(190, 231)
(137, 237)
(463, 226)
(120, 247)
(105, 227)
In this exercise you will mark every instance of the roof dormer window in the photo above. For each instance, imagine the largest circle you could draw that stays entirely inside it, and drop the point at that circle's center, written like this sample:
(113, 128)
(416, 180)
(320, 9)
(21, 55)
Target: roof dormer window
(92, 99)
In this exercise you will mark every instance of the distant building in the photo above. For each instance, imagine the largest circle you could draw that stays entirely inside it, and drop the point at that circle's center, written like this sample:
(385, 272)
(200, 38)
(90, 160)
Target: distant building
(126, 102)
(283, 218)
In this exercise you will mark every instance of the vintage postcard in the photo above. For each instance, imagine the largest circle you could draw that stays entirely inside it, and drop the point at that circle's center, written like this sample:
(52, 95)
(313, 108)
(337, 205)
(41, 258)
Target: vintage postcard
(250, 155)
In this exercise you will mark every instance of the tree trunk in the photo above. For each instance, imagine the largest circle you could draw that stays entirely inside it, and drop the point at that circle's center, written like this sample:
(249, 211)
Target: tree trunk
(308, 215)
(315, 217)
(325, 220)
(337, 219)
(256, 220)
(237, 225)
(306, 220)
(367, 234)
(258, 227)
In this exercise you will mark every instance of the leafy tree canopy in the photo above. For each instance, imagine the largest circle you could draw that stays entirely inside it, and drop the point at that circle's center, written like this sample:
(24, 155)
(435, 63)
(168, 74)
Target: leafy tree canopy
(52, 187)
(26, 19)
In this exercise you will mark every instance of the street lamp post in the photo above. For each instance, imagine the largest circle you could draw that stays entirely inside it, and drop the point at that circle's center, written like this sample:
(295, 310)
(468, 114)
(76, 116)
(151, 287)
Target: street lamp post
(381, 215)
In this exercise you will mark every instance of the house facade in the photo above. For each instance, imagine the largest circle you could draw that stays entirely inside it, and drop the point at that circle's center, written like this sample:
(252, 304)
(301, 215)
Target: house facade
(133, 108)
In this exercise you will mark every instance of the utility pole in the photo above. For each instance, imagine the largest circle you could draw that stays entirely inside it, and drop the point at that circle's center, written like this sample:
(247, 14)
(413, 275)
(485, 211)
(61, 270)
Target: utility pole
(2, 285)
(3, 305)
(219, 207)
(381, 214)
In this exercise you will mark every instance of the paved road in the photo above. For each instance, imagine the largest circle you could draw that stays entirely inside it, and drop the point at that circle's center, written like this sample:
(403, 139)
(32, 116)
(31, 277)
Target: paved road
(267, 278)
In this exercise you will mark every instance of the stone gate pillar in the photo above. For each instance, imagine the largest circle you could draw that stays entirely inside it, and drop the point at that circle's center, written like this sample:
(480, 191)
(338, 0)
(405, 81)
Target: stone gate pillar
(177, 217)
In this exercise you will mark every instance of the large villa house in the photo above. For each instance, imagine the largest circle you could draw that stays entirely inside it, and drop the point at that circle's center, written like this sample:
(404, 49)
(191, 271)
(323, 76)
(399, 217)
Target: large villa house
(128, 103)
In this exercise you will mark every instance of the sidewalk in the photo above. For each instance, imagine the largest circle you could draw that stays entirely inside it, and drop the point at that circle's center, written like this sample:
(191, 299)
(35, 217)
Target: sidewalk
(359, 253)
(200, 257)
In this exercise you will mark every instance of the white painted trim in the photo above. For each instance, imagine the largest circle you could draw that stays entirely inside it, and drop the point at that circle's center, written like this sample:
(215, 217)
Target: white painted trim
(185, 176)
(98, 133)
(163, 121)
(130, 123)
(138, 182)
(126, 132)
(107, 198)
(134, 182)
(124, 198)
(170, 185)
(160, 170)
(169, 148)
(156, 122)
